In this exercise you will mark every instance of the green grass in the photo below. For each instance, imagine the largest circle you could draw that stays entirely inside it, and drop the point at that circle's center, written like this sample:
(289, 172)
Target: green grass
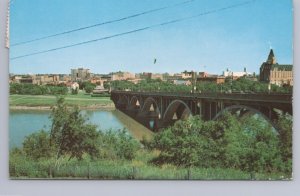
(139, 169)
(117, 169)
(80, 99)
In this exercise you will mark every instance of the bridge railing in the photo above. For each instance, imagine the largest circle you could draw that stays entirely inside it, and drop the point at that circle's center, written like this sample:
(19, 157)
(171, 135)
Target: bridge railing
(273, 97)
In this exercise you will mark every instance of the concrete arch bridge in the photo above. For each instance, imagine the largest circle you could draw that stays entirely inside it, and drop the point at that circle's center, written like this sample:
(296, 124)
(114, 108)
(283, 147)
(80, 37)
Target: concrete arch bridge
(157, 110)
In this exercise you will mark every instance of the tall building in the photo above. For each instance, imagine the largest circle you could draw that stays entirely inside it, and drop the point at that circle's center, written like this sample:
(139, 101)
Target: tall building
(80, 74)
(274, 73)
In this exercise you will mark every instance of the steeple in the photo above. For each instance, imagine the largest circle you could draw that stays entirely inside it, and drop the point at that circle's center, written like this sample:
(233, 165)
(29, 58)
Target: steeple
(271, 58)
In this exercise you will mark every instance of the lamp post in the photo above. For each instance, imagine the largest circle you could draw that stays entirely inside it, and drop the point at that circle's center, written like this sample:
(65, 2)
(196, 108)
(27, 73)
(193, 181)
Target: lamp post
(231, 82)
(193, 82)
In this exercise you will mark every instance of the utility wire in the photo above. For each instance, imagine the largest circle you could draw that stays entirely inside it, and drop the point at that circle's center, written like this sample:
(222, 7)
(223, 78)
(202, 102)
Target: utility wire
(138, 30)
(105, 23)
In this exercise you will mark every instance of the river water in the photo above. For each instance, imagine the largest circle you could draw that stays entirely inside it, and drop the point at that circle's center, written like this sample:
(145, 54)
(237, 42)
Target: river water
(24, 122)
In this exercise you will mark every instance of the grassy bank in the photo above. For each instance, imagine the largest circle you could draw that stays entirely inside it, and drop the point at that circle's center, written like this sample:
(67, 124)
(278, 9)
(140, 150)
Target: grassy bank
(81, 100)
(138, 169)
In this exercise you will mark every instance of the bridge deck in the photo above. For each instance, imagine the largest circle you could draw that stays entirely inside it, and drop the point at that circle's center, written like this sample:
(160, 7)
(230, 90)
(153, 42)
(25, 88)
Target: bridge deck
(252, 97)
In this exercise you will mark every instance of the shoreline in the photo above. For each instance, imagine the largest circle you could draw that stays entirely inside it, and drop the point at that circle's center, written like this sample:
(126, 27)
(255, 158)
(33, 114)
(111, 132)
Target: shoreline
(107, 107)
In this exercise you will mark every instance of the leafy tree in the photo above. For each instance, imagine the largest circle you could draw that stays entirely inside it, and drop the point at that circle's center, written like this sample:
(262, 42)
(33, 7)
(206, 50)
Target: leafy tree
(36, 145)
(285, 125)
(251, 145)
(248, 144)
(190, 143)
(118, 145)
(70, 133)
(89, 88)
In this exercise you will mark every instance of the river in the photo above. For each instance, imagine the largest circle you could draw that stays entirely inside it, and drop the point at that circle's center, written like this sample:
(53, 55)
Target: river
(24, 122)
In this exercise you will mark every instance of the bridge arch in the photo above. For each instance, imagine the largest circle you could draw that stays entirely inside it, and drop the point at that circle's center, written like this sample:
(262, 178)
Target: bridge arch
(134, 103)
(178, 109)
(123, 100)
(245, 109)
(150, 105)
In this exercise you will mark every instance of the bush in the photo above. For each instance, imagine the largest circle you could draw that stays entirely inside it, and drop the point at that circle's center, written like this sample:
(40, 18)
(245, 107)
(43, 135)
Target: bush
(119, 145)
(37, 145)
(248, 144)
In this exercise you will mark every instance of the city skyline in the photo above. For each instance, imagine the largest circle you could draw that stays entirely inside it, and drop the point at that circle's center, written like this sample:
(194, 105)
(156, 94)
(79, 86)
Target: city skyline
(236, 38)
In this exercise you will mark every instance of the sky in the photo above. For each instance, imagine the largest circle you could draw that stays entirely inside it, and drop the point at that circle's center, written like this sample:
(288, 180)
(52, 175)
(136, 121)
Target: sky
(232, 38)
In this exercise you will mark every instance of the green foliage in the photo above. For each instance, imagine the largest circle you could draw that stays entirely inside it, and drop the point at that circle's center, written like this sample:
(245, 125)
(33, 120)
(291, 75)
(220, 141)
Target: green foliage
(100, 95)
(74, 91)
(251, 145)
(242, 84)
(84, 84)
(89, 88)
(37, 146)
(70, 132)
(33, 89)
(118, 145)
(21, 167)
(285, 128)
(248, 144)
(190, 143)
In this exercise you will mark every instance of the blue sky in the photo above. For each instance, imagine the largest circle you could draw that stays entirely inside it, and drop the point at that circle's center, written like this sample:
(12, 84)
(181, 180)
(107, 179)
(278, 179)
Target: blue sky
(234, 38)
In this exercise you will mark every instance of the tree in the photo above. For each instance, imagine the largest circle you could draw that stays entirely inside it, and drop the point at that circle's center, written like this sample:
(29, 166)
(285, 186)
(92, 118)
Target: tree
(118, 145)
(252, 145)
(190, 143)
(247, 144)
(89, 88)
(285, 125)
(36, 145)
(70, 133)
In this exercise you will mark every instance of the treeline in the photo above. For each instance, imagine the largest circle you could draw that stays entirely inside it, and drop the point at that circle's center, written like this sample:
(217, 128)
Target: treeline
(34, 89)
(240, 85)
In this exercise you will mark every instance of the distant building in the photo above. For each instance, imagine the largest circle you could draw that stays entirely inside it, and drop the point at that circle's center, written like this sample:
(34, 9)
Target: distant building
(40, 79)
(144, 75)
(187, 74)
(173, 77)
(122, 76)
(205, 77)
(74, 86)
(43, 79)
(182, 82)
(274, 73)
(236, 75)
(157, 76)
(80, 74)
(26, 80)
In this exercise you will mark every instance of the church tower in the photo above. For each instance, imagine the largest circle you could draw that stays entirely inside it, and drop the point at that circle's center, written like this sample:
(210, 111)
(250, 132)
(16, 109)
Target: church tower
(271, 58)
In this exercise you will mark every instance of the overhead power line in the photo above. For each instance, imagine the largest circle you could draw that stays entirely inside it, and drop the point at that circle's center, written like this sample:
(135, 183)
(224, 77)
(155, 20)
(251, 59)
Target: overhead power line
(104, 23)
(138, 30)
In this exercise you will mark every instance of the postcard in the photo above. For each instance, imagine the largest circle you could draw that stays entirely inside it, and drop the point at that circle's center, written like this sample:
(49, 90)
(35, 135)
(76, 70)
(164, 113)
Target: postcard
(150, 90)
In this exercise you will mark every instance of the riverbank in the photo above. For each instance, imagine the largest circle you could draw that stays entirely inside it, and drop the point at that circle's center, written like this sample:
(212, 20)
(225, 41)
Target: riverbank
(45, 102)
(106, 107)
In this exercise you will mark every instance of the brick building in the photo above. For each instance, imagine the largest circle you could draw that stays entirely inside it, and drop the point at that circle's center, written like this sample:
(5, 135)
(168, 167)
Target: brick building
(274, 73)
